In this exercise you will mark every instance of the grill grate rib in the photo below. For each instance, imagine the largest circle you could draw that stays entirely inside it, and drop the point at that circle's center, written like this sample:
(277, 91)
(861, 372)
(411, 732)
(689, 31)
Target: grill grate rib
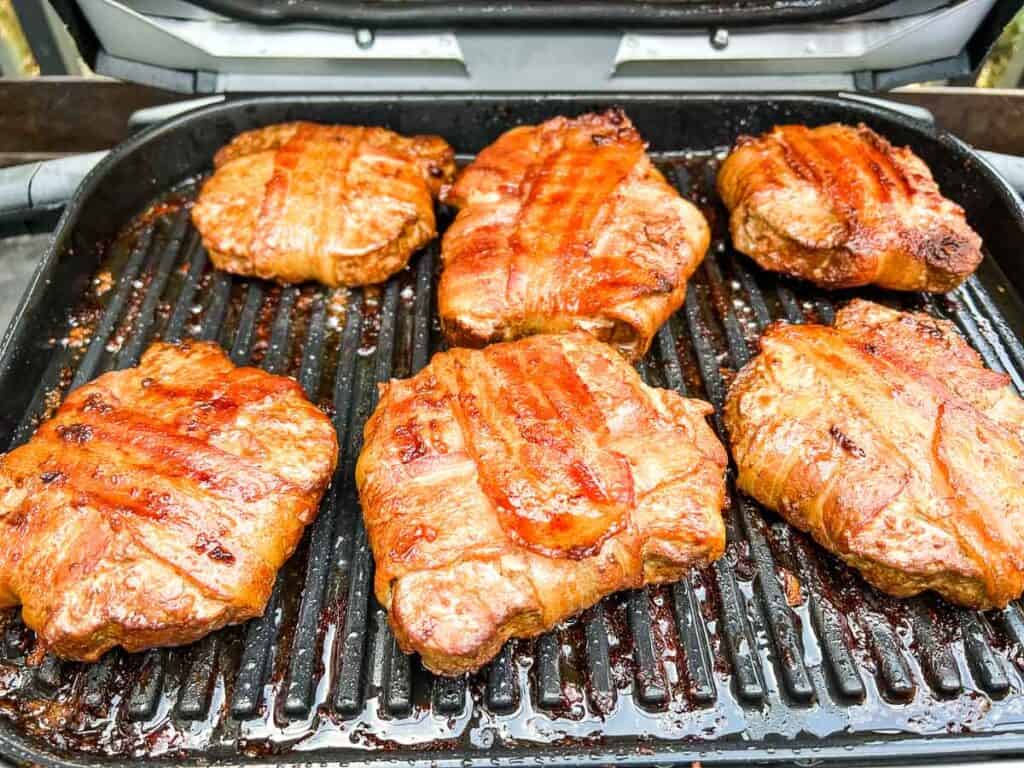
(737, 630)
(652, 688)
(348, 693)
(149, 683)
(326, 666)
(261, 633)
(197, 688)
(501, 681)
(549, 675)
(298, 701)
(984, 663)
(777, 612)
(449, 695)
(126, 285)
(143, 323)
(603, 693)
(687, 609)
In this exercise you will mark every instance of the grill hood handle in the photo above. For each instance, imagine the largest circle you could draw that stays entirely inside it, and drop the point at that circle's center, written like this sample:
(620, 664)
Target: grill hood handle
(1010, 167)
(26, 191)
(29, 190)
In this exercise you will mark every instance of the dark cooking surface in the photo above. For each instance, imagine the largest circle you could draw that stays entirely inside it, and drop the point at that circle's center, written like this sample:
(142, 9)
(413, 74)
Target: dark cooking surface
(772, 649)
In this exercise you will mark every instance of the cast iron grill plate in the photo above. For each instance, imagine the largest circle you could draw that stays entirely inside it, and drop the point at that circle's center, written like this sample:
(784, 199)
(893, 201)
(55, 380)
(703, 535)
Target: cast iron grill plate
(777, 651)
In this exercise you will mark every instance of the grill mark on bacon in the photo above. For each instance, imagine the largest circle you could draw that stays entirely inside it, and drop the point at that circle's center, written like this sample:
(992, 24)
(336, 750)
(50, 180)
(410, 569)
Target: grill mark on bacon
(334, 192)
(410, 441)
(213, 549)
(568, 191)
(532, 491)
(892, 174)
(837, 187)
(187, 457)
(212, 405)
(845, 442)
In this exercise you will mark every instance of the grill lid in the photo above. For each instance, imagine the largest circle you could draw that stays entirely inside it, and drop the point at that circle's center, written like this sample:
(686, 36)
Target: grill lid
(216, 46)
(427, 13)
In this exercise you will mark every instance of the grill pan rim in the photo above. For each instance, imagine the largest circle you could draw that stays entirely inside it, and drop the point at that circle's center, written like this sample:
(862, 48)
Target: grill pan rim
(31, 313)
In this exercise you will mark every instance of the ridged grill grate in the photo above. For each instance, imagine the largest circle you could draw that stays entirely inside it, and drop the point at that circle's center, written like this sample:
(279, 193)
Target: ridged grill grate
(776, 641)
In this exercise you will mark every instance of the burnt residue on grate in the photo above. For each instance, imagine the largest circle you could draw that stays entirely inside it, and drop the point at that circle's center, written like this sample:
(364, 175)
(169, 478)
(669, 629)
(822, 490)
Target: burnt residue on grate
(778, 641)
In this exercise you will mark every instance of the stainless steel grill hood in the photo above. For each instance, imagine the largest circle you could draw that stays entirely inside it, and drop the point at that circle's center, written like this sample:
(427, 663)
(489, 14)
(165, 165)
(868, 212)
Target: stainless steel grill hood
(552, 47)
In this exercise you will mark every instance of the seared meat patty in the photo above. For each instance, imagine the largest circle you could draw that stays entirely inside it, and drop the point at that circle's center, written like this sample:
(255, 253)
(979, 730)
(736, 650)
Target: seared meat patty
(841, 207)
(506, 489)
(159, 502)
(565, 225)
(339, 204)
(889, 441)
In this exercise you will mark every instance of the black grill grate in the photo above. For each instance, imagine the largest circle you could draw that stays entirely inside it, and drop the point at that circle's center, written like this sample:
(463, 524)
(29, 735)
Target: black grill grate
(777, 640)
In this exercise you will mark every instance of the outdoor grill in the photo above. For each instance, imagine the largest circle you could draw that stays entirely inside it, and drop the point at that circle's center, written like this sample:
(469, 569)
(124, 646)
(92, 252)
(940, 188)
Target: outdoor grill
(777, 653)
(756, 658)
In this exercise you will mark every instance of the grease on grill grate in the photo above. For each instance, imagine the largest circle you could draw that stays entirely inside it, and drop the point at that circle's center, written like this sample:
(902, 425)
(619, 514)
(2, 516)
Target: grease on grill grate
(777, 639)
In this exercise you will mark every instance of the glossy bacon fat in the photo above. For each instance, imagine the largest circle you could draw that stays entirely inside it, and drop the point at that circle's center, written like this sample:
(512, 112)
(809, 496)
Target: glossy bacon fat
(841, 207)
(339, 204)
(889, 441)
(564, 225)
(159, 502)
(506, 489)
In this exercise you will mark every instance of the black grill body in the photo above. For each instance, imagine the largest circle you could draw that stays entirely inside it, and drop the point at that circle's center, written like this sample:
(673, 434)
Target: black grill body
(776, 653)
